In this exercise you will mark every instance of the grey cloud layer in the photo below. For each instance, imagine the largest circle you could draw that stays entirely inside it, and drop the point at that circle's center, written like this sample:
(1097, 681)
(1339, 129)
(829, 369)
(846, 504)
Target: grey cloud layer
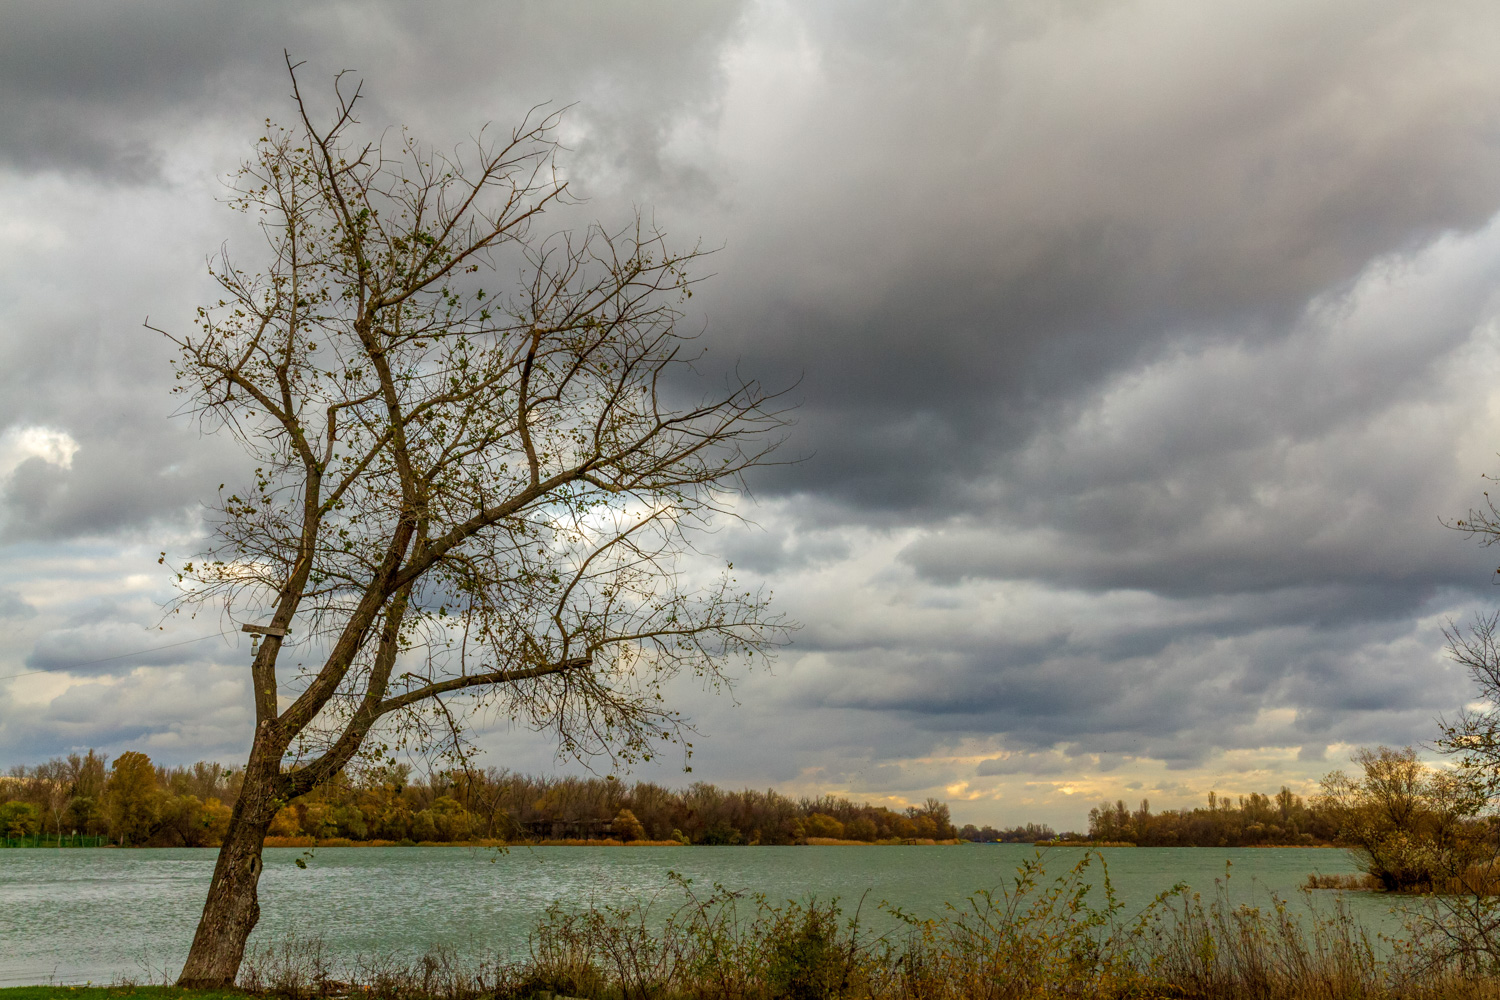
(980, 232)
(1324, 457)
(1141, 346)
(109, 91)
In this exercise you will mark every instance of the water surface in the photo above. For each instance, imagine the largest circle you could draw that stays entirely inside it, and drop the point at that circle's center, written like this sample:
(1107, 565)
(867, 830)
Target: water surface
(101, 915)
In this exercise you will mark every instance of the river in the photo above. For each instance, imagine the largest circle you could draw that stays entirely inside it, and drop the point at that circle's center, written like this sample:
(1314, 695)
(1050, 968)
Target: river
(72, 916)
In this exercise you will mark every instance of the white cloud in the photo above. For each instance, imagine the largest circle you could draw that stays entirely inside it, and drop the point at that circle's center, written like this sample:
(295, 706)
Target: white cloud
(19, 443)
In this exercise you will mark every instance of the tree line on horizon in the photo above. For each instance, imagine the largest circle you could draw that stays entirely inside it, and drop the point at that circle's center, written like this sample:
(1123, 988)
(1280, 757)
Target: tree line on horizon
(1253, 820)
(1411, 826)
(135, 802)
(1029, 833)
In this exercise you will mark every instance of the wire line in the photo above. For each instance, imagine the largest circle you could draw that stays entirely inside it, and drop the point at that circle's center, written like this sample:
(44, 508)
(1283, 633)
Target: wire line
(117, 656)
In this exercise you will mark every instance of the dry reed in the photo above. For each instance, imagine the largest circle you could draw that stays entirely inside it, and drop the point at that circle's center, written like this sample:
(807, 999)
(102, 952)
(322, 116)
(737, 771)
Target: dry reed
(1038, 937)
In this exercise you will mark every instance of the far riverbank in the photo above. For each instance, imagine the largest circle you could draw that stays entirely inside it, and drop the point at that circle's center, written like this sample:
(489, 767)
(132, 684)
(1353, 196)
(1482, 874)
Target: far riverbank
(53, 843)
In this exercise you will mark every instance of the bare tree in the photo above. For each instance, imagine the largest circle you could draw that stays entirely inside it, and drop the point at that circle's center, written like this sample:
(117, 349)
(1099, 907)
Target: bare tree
(1473, 736)
(1408, 824)
(1463, 925)
(461, 498)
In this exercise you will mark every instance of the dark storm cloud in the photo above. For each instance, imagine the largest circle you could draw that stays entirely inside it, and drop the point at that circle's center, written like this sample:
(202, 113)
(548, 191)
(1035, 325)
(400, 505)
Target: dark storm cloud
(106, 491)
(1175, 678)
(760, 550)
(970, 239)
(91, 88)
(124, 94)
(176, 715)
(106, 90)
(1092, 184)
(106, 641)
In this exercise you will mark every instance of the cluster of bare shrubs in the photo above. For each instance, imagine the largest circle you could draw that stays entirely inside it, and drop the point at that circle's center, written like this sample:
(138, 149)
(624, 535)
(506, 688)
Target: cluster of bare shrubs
(1040, 936)
(1413, 827)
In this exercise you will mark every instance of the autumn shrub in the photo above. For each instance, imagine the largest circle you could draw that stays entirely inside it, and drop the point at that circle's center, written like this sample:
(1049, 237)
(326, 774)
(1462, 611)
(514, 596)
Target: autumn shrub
(627, 827)
(19, 819)
(286, 823)
(823, 825)
(720, 834)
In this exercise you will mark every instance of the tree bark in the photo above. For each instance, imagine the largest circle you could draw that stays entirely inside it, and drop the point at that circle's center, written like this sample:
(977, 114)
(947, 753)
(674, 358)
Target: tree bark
(233, 906)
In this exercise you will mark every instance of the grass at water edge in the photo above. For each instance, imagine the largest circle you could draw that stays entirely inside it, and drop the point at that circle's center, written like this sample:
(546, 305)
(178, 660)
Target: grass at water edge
(114, 993)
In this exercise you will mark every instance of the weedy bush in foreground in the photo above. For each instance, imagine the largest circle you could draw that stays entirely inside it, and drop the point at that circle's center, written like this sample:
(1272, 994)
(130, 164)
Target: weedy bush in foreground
(300, 969)
(724, 944)
(294, 968)
(1036, 937)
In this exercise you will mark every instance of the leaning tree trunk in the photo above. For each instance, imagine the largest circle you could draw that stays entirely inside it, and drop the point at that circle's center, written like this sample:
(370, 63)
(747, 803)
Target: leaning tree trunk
(233, 906)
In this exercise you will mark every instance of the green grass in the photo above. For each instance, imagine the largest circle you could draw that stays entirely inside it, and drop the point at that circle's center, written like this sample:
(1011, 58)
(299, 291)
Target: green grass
(114, 993)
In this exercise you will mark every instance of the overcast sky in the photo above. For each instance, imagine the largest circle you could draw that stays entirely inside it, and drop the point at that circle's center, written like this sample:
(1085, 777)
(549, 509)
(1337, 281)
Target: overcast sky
(1143, 348)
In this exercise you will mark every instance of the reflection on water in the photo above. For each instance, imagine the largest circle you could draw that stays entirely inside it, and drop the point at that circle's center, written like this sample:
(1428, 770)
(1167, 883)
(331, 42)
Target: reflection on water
(77, 915)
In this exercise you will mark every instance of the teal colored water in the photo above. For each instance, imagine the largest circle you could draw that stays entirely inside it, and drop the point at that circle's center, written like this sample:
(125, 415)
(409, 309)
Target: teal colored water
(100, 915)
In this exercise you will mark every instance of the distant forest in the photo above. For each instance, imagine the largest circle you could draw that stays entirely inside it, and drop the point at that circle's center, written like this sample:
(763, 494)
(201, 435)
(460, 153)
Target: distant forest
(135, 802)
(1251, 821)
(1031, 833)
